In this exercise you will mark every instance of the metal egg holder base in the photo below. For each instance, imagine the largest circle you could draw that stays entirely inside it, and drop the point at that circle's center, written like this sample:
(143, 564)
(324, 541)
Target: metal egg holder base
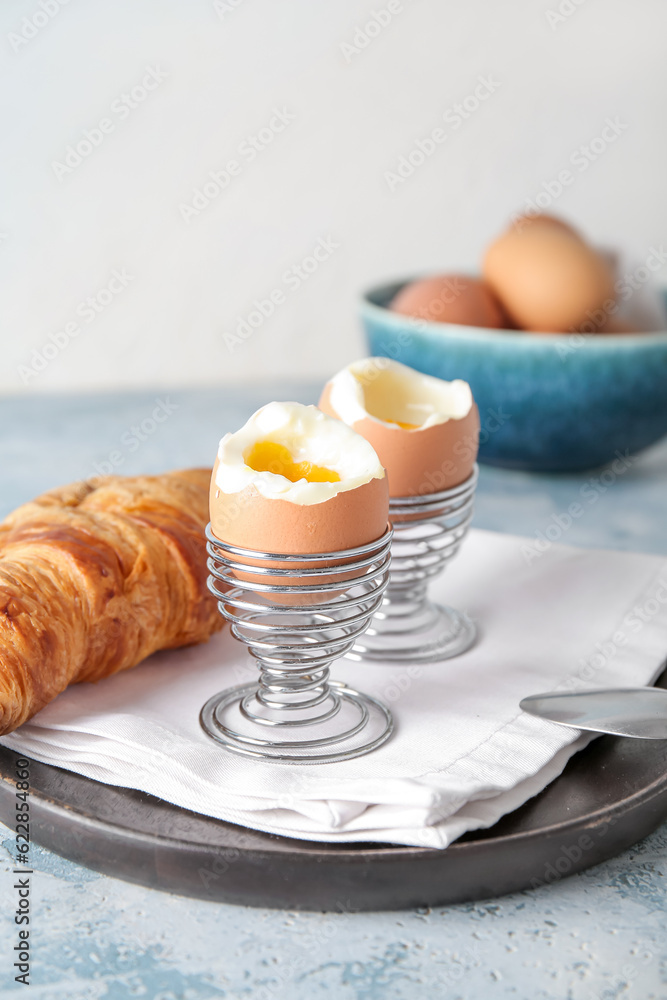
(295, 629)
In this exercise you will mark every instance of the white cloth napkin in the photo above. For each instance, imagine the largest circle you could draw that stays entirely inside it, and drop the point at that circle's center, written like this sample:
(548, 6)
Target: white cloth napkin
(463, 754)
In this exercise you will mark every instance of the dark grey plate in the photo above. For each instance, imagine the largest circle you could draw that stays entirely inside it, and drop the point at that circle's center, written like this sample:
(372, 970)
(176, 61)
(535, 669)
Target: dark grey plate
(609, 796)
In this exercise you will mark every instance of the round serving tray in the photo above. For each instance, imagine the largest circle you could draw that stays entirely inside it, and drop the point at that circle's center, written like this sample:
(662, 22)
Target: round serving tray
(609, 796)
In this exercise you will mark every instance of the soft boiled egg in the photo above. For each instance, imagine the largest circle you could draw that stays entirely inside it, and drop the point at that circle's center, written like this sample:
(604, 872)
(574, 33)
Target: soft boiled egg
(295, 481)
(424, 430)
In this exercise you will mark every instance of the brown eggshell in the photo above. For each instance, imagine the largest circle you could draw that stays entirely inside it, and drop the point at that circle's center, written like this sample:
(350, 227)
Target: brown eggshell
(451, 298)
(252, 521)
(420, 461)
(548, 279)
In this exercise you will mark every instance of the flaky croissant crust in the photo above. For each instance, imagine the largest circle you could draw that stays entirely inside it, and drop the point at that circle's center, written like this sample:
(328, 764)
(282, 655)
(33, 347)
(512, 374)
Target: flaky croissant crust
(96, 576)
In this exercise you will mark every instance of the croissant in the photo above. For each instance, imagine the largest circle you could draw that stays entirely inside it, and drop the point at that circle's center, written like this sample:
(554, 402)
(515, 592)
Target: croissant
(96, 576)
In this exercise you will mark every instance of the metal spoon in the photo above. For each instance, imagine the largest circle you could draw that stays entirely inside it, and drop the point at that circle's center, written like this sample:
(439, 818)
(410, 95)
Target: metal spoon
(637, 712)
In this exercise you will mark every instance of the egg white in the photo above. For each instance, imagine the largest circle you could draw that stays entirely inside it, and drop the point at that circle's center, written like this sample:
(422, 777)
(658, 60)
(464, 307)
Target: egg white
(375, 388)
(310, 436)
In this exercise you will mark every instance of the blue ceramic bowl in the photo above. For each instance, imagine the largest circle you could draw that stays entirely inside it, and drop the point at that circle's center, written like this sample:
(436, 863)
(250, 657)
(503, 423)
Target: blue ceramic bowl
(552, 403)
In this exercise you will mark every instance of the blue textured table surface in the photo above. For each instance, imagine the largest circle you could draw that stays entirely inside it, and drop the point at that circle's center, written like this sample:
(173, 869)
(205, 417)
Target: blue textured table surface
(599, 934)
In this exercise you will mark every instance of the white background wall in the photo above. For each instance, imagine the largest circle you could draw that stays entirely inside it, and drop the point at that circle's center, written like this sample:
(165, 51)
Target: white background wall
(228, 64)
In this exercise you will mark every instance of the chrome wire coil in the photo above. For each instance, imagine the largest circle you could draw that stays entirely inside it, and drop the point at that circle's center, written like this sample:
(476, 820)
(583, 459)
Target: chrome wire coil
(296, 615)
(428, 532)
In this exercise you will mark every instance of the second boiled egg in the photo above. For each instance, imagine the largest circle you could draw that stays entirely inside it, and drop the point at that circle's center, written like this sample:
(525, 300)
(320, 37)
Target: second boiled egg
(425, 430)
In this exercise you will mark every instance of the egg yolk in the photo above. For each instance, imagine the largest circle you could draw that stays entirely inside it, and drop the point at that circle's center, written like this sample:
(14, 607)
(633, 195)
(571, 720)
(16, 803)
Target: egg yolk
(267, 456)
(406, 427)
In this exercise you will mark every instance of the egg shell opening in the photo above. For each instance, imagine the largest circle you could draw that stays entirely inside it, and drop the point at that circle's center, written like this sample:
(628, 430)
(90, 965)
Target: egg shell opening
(423, 460)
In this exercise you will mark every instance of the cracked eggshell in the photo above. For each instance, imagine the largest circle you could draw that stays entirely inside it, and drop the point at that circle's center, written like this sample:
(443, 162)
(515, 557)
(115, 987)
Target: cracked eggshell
(251, 521)
(420, 460)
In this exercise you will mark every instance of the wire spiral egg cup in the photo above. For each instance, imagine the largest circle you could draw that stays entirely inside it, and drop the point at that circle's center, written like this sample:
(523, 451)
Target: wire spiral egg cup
(428, 531)
(295, 629)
